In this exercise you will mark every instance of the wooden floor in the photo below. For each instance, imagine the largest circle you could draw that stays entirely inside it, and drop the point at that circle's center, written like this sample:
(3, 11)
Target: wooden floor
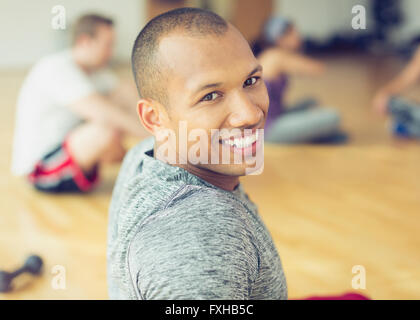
(328, 208)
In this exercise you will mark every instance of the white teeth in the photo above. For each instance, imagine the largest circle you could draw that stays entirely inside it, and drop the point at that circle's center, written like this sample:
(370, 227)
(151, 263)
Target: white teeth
(244, 142)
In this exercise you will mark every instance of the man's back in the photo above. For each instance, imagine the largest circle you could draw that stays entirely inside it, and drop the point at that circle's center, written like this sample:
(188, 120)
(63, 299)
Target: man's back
(174, 236)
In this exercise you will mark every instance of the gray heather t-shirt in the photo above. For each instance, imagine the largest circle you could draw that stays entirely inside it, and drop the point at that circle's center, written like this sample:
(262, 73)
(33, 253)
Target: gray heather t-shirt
(174, 236)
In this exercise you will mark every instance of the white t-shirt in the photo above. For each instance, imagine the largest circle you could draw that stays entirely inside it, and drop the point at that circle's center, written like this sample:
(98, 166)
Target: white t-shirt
(43, 118)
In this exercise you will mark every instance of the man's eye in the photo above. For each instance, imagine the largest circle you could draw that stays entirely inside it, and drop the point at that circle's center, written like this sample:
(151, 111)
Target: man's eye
(210, 97)
(251, 81)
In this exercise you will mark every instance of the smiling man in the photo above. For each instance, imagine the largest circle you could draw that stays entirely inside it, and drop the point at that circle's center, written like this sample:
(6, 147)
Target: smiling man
(181, 228)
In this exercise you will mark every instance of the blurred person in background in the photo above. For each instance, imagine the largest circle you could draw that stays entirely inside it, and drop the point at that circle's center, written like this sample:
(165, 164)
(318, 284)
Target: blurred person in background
(72, 113)
(405, 115)
(277, 49)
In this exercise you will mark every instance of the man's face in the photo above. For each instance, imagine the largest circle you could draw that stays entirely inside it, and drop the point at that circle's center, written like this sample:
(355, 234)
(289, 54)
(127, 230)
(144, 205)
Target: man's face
(215, 82)
(99, 48)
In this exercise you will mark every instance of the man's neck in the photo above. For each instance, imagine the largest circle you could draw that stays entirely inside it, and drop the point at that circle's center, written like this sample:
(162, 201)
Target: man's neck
(222, 181)
(228, 183)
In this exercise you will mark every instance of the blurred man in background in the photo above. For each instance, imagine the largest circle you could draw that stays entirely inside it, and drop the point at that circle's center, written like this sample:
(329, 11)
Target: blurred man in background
(71, 115)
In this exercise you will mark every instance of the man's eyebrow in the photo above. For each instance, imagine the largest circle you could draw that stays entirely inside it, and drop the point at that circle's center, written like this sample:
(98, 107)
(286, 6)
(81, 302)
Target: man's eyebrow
(218, 84)
(258, 68)
(208, 86)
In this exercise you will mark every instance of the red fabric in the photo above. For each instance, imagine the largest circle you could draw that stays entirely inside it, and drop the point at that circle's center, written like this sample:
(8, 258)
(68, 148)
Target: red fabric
(346, 296)
(79, 177)
(68, 164)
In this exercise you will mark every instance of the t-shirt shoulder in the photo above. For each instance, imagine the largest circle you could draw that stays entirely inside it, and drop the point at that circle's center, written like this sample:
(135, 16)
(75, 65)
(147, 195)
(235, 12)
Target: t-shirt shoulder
(198, 247)
(65, 83)
(61, 79)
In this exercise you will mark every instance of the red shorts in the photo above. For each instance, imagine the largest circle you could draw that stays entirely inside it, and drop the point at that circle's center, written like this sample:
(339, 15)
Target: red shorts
(59, 172)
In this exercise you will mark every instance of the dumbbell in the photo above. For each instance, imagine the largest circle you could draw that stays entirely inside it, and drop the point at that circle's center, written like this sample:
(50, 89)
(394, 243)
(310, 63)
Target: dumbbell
(33, 265)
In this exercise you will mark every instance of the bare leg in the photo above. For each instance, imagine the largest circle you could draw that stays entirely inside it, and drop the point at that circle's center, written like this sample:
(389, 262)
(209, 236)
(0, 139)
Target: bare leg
(92, 143)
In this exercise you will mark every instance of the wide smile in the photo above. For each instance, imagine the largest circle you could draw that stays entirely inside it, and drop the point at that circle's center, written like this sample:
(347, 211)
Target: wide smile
(245, 145)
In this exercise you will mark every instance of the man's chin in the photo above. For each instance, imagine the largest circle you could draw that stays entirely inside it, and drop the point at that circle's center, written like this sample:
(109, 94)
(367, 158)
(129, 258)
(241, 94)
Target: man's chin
(233, 170)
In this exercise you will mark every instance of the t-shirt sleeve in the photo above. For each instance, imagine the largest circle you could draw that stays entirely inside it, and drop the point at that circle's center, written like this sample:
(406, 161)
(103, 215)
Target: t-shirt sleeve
(194, 252)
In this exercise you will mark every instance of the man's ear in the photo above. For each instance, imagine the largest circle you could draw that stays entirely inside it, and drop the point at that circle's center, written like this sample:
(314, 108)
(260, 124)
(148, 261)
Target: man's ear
(152, 115)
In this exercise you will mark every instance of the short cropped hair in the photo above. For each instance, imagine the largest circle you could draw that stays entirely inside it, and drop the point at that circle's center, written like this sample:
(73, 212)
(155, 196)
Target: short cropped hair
(87, 25)
(147, 70)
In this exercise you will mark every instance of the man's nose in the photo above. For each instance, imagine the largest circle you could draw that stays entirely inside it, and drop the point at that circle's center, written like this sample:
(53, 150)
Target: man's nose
(244, 112)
